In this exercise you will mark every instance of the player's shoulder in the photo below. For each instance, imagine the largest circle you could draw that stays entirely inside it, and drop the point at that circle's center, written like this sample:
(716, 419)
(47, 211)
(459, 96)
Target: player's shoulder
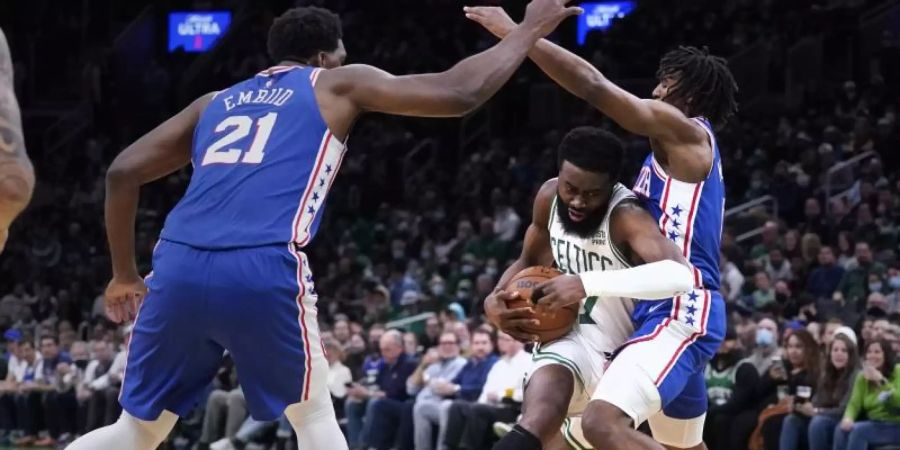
(543, 202)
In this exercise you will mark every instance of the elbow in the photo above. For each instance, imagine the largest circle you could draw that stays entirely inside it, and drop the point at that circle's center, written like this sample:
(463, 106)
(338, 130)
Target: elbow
(119, 175)
(16, 184)
(465, 102)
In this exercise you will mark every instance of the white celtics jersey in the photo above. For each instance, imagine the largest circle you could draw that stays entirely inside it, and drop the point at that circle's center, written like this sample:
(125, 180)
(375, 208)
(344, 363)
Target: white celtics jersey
(605, 322)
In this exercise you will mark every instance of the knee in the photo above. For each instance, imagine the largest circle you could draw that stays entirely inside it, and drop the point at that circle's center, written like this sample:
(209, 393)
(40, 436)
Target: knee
(602, 423)
(235, 398)
(217, 397)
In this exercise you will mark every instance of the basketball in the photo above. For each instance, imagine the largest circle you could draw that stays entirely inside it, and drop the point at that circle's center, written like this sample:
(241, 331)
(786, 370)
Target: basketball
(552, 327)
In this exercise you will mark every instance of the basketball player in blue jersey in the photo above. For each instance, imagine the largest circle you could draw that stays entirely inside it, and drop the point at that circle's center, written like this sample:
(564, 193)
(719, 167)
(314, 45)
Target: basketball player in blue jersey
(657, 375)
(228, 271)
(16, 173)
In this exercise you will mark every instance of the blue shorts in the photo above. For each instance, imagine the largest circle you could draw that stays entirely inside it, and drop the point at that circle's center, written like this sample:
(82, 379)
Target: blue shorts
(256, 303)
(665, 359)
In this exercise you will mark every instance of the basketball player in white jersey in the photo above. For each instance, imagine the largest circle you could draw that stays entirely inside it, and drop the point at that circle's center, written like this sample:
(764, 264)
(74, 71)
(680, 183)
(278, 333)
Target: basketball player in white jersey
(16, 173)
(657, 375)
(584, 222)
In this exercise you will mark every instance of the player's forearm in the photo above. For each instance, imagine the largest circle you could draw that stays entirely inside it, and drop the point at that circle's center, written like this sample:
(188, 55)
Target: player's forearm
(653, 281)
(122, 195)
(567, 69)
(478, 77)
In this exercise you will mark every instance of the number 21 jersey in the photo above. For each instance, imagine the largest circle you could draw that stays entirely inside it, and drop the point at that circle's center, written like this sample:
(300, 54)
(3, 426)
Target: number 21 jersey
(264, 161)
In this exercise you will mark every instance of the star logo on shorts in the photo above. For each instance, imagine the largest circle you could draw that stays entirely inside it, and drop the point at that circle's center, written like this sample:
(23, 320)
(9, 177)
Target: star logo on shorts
(693, 296)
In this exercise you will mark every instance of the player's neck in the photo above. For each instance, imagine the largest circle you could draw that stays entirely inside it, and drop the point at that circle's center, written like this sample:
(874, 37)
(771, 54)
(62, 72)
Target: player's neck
(288, 62)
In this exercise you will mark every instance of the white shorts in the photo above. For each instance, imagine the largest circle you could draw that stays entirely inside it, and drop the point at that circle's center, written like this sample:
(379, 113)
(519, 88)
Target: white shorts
(584, 361)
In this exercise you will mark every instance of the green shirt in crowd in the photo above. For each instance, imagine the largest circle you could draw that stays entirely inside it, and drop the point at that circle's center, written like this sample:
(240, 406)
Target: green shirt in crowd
(877, 402)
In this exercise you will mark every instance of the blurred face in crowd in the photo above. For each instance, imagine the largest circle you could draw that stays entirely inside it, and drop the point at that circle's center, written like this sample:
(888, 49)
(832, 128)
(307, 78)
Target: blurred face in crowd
(582, 197)
(894, 278)
(342, 331)
(826, 256)
(101, 351)
(875, 355)
(863, 253)
(867, 330)
(79, 351)
(776, 257)
(49, 349)
(879, 327)
(357, 343)
(840, 354)
(795, 351)
(761, 279)
(448, 346)
(766, 333)
(375, 334)
(26, 350)
(507, 345)
(410, 343)
(333, 353)
(462, 334)
(481, 345)
(830, 328)
(812, 209)
(391, 346)
(432, 327)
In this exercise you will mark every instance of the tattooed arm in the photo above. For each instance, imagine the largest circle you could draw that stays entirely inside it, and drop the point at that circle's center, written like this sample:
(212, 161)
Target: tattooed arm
(16, 173)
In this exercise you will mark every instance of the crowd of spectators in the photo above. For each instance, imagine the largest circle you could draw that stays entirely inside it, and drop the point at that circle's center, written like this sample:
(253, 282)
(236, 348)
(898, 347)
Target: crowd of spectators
(814, 298)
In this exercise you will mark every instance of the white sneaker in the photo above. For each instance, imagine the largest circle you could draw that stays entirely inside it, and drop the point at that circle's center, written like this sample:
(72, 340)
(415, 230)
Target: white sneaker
(500, 429)
(222, 444)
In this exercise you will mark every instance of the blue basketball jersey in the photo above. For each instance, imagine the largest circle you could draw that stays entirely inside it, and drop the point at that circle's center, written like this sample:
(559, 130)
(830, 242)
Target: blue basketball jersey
(689, 214)
(264, 161)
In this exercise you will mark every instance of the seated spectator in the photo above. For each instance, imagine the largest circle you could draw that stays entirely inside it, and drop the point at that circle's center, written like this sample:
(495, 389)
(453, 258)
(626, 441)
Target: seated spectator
(432, 333)
(875, 396)
(94, 408)
(465, 386)
(854, 286)
(762, 358)
(823, 281)
(730, 386)
(411, 344)
(429, 382)
(500, 400)
(381, 398)
(791, 382)
(764, 295)
(893, 288)
(341, 332)
(817, 419)
(59, 407)
(26, 395)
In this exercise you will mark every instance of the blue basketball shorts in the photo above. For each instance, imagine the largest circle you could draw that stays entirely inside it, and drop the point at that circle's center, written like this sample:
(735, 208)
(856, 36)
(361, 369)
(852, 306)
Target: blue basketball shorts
(256, 303)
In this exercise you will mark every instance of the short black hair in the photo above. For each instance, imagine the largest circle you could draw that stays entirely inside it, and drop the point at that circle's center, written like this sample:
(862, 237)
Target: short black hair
(52, 337)
(300, 33)
(705, 84)
(593, 149)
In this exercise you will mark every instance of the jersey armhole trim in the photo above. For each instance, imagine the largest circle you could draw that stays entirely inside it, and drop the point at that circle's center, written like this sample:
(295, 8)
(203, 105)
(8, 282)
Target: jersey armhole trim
(712, 144)
(552, 217)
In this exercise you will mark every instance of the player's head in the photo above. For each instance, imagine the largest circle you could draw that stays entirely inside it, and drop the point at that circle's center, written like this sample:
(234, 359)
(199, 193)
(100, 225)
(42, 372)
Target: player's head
(697, 83)
(308, 35)
(590, 160)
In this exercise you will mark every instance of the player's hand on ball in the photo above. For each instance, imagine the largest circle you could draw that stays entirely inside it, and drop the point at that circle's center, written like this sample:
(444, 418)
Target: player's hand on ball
(560, 292)
(123, 297)
(492, 18)
(511, 321)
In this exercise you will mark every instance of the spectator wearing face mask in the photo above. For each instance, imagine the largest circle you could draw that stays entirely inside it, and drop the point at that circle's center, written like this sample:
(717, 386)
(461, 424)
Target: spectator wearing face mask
(730, 387)
(761, 358)
(893, 288)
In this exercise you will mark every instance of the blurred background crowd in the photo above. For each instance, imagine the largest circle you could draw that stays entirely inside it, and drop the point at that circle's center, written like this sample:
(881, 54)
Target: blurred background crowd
(427, 213)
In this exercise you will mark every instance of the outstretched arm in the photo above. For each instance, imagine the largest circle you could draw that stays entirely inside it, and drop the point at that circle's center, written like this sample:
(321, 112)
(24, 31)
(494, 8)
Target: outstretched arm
(16, 173)
(455, 92)
(652, 118)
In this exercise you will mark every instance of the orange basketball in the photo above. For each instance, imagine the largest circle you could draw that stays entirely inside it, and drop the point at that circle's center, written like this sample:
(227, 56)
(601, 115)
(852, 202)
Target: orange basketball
(551, 327)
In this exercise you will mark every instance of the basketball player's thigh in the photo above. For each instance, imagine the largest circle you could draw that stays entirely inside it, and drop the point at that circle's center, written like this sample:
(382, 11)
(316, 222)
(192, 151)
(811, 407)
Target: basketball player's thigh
(680, 423)
(585, 365)
(268, 321)
(171, 358)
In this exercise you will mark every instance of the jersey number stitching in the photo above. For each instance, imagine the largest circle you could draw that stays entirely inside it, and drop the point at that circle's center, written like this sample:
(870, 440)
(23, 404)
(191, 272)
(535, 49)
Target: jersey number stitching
(241, 128)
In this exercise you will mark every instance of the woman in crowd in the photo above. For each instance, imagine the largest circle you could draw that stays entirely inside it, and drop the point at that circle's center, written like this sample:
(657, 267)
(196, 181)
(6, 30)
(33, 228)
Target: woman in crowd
(790, 382)
(817, 419)
(876, 395)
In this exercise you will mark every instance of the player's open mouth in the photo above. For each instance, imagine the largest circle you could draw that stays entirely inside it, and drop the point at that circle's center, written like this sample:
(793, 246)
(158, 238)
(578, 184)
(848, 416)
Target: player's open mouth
(576, 215)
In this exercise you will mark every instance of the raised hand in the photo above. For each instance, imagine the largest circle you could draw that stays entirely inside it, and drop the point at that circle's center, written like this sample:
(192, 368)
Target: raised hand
(545, 15)
(492, 18)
